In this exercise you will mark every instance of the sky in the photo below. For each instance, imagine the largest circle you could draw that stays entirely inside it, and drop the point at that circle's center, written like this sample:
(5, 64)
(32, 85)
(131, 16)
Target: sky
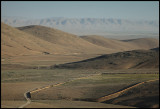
(135, 10)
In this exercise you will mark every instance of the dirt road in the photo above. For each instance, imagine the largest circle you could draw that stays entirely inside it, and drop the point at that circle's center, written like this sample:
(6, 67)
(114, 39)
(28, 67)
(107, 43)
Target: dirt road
(45, 87)
(114, 95)
(28, 101)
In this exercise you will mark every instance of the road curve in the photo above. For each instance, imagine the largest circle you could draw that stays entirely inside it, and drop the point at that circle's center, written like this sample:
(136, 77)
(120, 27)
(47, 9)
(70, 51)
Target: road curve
(28, 101)
(58, 84)
(42, 88)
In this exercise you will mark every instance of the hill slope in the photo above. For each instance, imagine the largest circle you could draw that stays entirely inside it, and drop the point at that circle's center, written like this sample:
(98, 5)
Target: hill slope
(120, 60)
(34, 40)
(71, 42)
(141, 43)
(15, 42)
(144, 43)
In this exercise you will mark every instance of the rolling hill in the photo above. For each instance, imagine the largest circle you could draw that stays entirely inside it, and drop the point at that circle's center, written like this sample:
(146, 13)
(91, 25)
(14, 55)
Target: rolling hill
(15, 42)
(96, 43)
(121, 60)
(40, 40)
(144, 43)
(72, 43)
(122, 45)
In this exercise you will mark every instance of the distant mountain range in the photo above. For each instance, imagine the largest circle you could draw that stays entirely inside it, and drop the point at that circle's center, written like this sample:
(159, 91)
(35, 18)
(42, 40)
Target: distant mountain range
(89, 26)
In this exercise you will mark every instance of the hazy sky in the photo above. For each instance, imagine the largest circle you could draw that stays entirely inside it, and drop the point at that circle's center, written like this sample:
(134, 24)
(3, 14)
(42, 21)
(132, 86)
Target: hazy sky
(138, 10)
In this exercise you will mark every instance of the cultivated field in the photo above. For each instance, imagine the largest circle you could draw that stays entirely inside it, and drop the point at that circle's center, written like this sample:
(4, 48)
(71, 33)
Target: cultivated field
(77, 92)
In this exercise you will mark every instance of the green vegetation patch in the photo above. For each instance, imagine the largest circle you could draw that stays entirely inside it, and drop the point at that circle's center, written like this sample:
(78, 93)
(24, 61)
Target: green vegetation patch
(114, 78)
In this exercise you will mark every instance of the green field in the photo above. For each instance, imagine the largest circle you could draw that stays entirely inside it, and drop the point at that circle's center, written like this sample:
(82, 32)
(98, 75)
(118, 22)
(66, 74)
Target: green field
(75, 89)
(65, 74)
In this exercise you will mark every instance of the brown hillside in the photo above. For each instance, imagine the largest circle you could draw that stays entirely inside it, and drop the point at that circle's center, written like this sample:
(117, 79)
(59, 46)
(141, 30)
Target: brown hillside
(142, 43)
(33, 40)
(44, 40)
(15, 42)
(73, 43)
(121, 60)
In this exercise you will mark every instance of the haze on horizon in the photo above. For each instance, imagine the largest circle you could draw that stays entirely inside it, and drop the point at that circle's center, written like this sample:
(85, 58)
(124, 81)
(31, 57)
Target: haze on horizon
(123, 10)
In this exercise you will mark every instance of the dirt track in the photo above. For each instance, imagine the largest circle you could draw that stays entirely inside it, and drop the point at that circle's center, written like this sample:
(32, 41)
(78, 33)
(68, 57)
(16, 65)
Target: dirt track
(114, 95)
(28, 101)
(45, 87)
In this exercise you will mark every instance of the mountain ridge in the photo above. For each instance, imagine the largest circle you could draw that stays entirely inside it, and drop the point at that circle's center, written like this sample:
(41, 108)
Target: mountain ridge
(83, 26)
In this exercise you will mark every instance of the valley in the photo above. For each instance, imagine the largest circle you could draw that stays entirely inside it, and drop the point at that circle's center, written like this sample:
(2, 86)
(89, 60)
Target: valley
(86, 67)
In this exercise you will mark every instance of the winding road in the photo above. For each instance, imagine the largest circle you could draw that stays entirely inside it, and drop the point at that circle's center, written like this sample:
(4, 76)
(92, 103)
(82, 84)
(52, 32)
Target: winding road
(114, 95)
(53, 85)
(28, 100)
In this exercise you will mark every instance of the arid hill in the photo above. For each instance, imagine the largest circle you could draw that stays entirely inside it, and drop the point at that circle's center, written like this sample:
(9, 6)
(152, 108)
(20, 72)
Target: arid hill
(41, 40)
(44, 40)
(72, 43)
(121, 60)
(15, 42)
(122, 45)
(144, 43)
